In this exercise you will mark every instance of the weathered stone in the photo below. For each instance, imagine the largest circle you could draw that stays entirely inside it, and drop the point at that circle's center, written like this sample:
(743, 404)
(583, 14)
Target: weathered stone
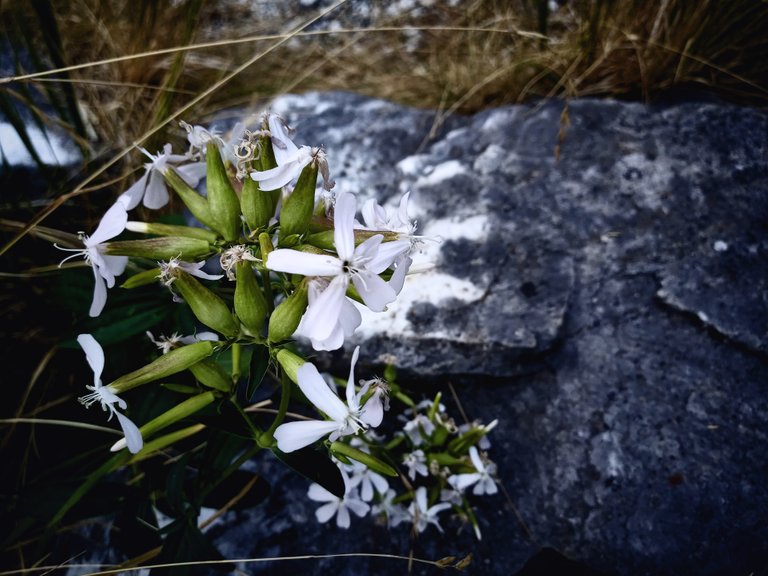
(588, 303)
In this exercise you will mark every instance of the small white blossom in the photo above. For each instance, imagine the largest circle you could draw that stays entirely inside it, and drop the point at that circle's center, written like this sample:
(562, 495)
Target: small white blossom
(422, 515)
(151, 186)
(395, 513)
(345, 419)
(198, 138)
(416, 462)
(482, 479)
(359, 265)
(370, 482)
(335, 506)
(419, 428)
(105, 267)
(94, 354)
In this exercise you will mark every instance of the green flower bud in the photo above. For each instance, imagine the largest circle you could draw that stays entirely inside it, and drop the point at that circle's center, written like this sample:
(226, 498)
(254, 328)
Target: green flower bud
(210, 373)
(179, 412)
(324, 239)
(165, 248)
(192, 200)
(222, 199)
(171, 230)
(257, 206)
(290, 363)
(286, 317)
(265, 244)
(296, 212)
(250, 305)
(141, 279)
(164, 366)
(207, 307)
(164, 441)
(370, 461)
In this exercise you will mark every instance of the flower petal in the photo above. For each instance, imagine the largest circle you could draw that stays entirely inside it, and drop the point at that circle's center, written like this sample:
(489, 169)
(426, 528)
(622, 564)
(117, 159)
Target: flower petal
(131, 197)
(94, 354)
(132, 434)
(317, 391)
(326, 512)
(295, 262)
(358, 507)
(375, 292)
(156, 194)
(373, 411)
(282, 145)
(192, 173)
(322, 316)
(296, 435)
(343, 222)
(463, 481)
(112, 223)
(342, 517)
(99, 294)
(320, 494)
(350, 391)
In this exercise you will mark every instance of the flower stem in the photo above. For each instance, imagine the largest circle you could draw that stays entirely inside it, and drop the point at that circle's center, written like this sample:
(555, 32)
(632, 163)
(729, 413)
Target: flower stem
(235, 362)
(285, 396)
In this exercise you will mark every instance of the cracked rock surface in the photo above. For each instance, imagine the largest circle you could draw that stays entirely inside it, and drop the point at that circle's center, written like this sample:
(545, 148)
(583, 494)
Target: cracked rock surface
(609, 307)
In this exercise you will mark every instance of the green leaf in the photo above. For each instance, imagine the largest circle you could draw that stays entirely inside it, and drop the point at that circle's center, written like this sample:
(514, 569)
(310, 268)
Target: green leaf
(258, 368)
(316, 466)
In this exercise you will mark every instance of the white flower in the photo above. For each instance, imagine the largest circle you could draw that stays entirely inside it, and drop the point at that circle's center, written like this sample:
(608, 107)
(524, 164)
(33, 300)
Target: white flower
(377, 218)
(151, 186)
(360, 265)
(395, 513)
(418, 428)
(484, 483)
(198, 137)
(103, 394)
(345, 419)
(369, 481)
(484, 443)
(168, 271)
(377, 402)
(346, 324)
(421, 514)
(335, 506)
(105, 267)
(416, 462)
(168, 343)
(291, 160)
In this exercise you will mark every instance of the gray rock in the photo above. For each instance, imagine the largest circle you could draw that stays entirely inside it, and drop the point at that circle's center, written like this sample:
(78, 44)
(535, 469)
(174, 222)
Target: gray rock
(609, 307)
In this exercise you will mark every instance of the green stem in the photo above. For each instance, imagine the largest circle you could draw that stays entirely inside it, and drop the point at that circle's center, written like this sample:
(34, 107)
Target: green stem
(235, 362)
(268, 290)
(285, 397)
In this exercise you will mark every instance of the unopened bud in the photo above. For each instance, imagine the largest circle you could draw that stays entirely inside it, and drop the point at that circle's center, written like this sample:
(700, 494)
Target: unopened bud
(178, 412)
(296, 212)
(257, 206)
(192, 200)
(370, 461)
(287, 316)
(290, 363)
(222, 199)
(209, 308)
(171, 230)
(164, 366)
(250, 304)
(141, 279)
(210, 373)
(165, 248)
(265, 244)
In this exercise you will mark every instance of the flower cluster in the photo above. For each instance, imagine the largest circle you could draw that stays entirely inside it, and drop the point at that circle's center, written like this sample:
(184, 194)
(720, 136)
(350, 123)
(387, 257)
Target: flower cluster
(303, 265)
(442, 467)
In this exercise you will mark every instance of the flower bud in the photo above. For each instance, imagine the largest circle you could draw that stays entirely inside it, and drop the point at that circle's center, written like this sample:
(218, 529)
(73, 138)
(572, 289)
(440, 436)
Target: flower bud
(265, 244)
(324, 239)
(209, 308)
(287, 316)
(192, 200)
(222, 199)
(250, 304)
(257, 206)
(210, 373)
(141, 279)
(296, 212)
(291, 363)
(165, 248)
(178, 412)
(164, 366)
(171, 230)
(373, 463)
